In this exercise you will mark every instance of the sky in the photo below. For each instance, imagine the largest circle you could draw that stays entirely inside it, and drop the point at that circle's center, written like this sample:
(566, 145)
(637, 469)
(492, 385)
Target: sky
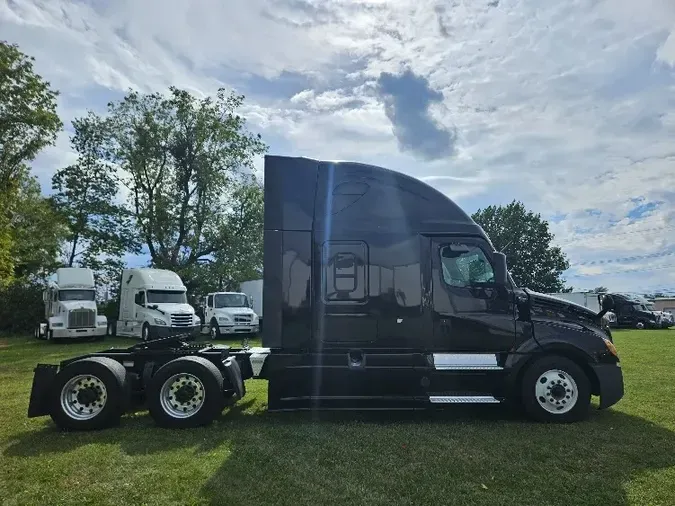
(566, 106)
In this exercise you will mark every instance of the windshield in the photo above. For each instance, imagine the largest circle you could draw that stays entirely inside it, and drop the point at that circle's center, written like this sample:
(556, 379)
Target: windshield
(166, 297)
(651, 307)
(76, 295)
(230, 300)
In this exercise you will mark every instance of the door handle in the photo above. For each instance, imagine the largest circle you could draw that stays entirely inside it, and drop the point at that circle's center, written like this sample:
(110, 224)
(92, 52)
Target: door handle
(356, 359)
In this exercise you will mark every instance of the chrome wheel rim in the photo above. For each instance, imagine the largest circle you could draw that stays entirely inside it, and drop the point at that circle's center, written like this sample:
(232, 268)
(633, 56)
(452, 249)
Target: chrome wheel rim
(182, 395)
(213, 332)
(83, 397)
(556, 391)
(145, 332)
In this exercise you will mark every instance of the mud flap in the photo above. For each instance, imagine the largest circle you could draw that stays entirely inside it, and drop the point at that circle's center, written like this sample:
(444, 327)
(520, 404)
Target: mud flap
(43, 379)
(233, 376)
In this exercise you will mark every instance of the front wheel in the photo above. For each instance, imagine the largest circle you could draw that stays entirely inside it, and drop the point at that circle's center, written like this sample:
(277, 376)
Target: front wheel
(556, 389)
(214, 330)
(145, 332)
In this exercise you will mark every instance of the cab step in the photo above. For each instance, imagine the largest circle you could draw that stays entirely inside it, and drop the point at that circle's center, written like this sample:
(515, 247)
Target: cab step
(463, 399)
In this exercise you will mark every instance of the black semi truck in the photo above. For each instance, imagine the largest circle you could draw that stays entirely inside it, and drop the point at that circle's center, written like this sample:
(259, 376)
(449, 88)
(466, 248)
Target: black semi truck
(379, 293)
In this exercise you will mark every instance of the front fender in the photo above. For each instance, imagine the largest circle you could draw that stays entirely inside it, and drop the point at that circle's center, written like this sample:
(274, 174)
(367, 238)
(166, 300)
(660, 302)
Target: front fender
(560, 338)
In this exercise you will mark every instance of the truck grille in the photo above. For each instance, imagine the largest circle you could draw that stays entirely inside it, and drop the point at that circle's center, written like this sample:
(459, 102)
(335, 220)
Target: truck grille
(242, 318)
(181, 320)
(81, 318)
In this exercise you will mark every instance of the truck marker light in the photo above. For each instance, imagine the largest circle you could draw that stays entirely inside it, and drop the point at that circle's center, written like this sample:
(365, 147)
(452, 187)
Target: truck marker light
(611, 348)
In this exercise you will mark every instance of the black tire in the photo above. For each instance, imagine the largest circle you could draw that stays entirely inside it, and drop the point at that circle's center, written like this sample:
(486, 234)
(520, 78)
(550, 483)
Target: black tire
(145, 332)
(213, 400)
(49, 335)
(534, 405)
(113, 376)
(214, 330)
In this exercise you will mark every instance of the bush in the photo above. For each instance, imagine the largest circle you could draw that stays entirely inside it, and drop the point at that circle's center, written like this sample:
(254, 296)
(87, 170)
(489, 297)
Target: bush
(21, 307)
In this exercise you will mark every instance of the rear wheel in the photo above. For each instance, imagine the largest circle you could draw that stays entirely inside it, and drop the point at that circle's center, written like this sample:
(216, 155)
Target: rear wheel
(89, 394)
(556, 389)
(186, 392)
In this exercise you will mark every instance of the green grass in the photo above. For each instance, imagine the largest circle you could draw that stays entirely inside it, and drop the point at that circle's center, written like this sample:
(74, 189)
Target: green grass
(486, 456)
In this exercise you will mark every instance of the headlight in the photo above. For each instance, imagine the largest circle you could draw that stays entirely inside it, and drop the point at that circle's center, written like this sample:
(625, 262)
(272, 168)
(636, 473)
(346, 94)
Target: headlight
(223, 319)
(159, 321)
(57, 324)
(611, 348)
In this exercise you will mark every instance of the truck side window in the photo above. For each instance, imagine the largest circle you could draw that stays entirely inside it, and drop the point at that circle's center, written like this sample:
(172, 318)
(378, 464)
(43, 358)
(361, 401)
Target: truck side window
(465, 265)
(344, 272)
(140, 298)
(209, 301)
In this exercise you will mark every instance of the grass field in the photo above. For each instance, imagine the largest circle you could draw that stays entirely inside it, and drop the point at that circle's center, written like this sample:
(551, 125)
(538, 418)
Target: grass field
(486, 456)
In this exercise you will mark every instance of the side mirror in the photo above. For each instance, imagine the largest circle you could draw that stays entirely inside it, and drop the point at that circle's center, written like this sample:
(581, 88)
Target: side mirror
(501, 271)
(607, 302)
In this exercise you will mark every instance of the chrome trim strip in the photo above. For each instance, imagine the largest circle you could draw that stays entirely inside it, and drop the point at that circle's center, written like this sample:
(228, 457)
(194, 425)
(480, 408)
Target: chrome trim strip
(463, 399)
(466, 361)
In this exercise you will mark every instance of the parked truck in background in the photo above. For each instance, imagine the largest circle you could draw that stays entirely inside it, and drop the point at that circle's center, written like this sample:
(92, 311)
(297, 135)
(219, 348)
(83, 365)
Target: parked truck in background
(254, 291)
(632, 312)
(380, 293)
(227, 313)
(70, 307)
(153, 304)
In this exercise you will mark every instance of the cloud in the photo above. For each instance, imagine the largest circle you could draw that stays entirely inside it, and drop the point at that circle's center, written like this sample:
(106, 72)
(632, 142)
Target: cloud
(567, 106)
(407, 100)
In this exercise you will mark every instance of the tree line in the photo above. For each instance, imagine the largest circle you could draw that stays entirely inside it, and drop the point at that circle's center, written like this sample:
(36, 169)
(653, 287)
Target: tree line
(169, 175)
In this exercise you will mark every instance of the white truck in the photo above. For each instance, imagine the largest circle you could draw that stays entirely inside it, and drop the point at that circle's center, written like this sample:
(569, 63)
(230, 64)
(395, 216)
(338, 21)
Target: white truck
(254, 290)
(229, 313)
(70, 307)
(153, 304)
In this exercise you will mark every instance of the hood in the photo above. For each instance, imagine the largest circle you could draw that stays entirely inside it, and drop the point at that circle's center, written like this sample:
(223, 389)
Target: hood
(550, 307)
(69, 305)
(170, 308)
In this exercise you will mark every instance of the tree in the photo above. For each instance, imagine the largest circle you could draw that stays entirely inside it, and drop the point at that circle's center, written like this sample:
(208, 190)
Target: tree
(187, 164)
(37, 232)
(526, 240)
(28, 123)
(600, 289)
(100, 229)
(242, 257)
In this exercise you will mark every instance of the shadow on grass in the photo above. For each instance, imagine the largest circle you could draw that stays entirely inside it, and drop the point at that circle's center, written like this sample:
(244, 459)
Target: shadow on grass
(470, 455)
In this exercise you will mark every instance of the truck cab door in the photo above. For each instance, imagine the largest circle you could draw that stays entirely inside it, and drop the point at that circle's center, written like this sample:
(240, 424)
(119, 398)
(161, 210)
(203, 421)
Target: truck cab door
(471, 313)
